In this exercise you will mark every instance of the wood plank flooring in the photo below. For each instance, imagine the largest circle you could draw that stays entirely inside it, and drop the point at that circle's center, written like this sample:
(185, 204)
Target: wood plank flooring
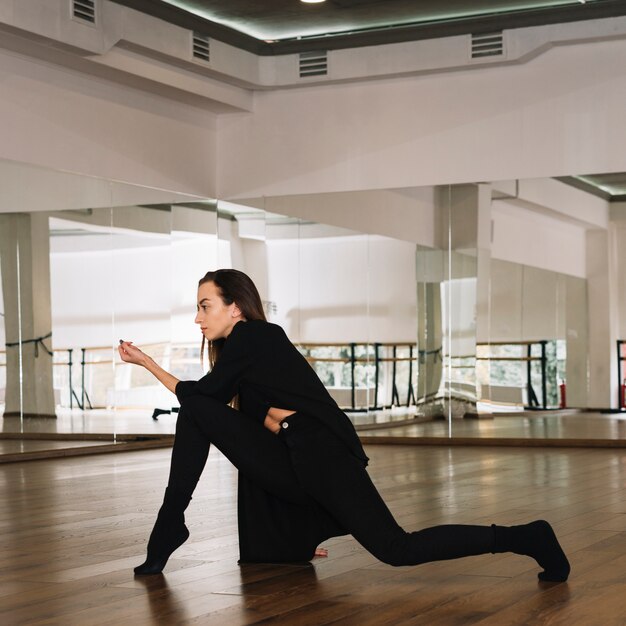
(72, 529)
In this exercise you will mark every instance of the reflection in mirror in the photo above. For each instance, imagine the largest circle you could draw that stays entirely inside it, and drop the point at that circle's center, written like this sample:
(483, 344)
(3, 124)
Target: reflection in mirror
(25, 261)
(532, 335)
(141, 273)
(448, 294)
(341, 297)
(107, 268)
(194, 251)
(3, 336)
(537, 339)
(92, 258)
(392, 304)
(332, 328)
(82, 279)
(503, 313)
(492, 317)
(446, 311)
(241, 242)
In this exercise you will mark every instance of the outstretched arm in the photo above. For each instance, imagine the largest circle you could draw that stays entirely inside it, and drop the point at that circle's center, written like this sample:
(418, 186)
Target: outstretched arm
(132, 354)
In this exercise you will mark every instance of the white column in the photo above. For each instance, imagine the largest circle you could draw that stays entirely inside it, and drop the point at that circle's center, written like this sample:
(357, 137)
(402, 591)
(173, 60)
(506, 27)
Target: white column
(603, 317)
(25, 259)
(577, 341)
(457, 276)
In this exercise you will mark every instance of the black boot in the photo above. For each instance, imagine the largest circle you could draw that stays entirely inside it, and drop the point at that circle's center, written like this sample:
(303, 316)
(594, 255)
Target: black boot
(169, 532)
(538, 541)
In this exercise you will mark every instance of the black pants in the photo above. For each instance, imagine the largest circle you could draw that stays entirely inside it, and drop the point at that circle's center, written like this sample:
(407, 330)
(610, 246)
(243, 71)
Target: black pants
(306, 460)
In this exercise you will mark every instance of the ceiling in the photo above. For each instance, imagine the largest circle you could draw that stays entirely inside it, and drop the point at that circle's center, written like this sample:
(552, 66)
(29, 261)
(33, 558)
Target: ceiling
(270, 27)
(611, 187)
(286, 26)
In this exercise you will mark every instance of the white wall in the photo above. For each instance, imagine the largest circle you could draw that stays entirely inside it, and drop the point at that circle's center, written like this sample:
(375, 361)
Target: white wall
(142, 294)
(561, 113)
(341, 289)
(97, 296)
(327, 289)
(620, 274)
(530, 238)
(526, 303)
(67, 120)
(2, 309)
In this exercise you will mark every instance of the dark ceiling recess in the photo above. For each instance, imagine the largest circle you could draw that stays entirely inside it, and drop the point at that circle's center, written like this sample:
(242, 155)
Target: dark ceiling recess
(611, 187)
(295, 27)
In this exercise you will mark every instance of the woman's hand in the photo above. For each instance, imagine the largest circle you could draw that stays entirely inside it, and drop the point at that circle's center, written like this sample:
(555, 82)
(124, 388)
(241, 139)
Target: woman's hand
(132, 354)
(321, 552)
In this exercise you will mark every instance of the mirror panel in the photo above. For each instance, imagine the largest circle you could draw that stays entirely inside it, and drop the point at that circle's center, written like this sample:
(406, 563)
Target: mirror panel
(83, 310)
(334, 326)
(193, 251)
(479, 323)
(101, 244)
(392, 327)
(141, 267)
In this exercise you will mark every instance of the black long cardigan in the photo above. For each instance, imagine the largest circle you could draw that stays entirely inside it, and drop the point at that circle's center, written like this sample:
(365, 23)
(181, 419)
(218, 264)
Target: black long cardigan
(260, 364)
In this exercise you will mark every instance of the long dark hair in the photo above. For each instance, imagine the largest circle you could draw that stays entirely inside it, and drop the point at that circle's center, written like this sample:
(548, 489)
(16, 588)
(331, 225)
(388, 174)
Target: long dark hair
(234, 286)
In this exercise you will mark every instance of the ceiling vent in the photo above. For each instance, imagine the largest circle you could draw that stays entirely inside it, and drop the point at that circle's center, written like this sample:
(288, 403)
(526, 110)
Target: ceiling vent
(201, 49)
(313, 63)
(84, 10)
(487, 45)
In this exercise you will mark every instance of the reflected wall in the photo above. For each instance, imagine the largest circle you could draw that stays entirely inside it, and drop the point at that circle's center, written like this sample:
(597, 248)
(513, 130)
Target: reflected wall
(497, 335)
(75, 281)
(446, 330)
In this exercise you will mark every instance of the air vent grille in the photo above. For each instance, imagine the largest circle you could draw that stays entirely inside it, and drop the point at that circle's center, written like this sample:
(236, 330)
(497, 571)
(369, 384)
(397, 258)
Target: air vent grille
(313, 64)
(201, 48)
(84, 10)
(487, 45)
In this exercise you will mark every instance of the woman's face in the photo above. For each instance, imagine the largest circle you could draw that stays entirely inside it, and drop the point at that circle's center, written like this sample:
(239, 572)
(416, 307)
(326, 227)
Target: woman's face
(216, 319)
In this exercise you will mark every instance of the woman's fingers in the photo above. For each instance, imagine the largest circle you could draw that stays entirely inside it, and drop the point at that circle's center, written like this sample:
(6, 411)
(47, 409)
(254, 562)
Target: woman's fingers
(130, 353)
(321, 552)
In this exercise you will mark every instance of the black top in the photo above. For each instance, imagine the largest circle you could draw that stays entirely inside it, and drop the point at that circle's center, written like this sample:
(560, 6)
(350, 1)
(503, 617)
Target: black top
(261, 365)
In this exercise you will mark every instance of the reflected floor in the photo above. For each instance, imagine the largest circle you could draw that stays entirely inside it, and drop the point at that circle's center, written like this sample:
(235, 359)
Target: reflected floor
(18, 446)
(118, 422)
(94, 422)
(523, 425)
(567, 424)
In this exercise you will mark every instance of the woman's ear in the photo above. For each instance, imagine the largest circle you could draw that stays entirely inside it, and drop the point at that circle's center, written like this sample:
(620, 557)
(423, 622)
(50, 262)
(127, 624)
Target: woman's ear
(236, 312)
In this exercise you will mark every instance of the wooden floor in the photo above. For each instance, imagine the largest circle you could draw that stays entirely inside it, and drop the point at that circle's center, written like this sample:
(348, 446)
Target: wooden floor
(72, 529)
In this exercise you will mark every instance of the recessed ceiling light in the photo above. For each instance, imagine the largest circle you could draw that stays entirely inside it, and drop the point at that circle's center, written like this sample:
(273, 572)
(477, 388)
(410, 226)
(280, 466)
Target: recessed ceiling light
(312, 1)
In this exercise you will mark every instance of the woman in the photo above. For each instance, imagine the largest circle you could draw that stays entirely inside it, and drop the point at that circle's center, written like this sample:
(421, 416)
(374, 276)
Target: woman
(302, 476)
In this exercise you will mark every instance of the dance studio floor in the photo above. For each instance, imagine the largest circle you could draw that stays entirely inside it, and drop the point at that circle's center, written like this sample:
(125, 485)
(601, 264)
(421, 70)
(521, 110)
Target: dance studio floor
(71, 529)
(99, 431)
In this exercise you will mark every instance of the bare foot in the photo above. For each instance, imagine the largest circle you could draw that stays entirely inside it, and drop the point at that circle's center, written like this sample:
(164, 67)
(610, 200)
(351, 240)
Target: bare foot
(321, 552)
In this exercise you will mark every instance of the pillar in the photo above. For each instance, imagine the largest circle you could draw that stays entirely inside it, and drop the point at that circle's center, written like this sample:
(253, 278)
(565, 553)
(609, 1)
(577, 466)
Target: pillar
(603, 317)
(453, 287)
(25, 262)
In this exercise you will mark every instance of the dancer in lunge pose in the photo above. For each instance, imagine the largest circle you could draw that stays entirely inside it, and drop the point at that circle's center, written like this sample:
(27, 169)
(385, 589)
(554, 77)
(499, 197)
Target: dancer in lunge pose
(302, 469)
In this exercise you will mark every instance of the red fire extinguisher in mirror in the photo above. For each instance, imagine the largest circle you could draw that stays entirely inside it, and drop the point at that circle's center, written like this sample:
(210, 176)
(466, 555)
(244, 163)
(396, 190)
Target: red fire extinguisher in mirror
(562, 391)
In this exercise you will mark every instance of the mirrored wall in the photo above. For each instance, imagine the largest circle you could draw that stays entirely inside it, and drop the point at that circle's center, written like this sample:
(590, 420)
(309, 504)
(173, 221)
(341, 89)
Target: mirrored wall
(400, 331)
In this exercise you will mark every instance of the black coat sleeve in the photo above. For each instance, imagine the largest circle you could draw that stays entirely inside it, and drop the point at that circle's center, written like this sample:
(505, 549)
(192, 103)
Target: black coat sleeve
(222, 382)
